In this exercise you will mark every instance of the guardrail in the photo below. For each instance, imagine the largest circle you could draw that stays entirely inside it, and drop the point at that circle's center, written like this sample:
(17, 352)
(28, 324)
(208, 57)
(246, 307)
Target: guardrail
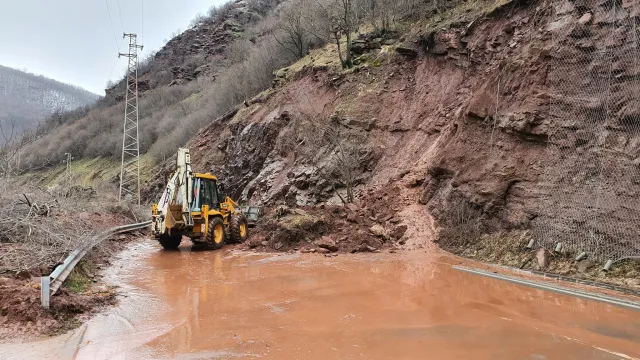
(50, 284)
(612, 300)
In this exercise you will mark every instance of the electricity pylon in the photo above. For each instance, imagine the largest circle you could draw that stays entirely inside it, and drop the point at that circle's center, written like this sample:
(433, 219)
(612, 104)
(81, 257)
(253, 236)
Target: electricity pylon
(130, 168)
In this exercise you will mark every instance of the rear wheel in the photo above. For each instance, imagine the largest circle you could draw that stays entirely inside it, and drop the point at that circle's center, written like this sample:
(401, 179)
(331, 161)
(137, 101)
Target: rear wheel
(215, 233)
(238, 228)
(170, 242)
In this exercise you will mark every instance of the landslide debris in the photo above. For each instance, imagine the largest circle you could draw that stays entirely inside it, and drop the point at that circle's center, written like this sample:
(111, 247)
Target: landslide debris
(371, 223)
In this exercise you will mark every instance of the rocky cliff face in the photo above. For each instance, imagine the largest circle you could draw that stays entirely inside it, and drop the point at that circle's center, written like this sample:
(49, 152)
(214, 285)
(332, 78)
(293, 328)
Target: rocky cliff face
(518, 120)
(200, 51)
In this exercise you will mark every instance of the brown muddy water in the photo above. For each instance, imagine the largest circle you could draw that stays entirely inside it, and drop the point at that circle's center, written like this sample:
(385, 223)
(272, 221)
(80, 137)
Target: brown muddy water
(240, 305)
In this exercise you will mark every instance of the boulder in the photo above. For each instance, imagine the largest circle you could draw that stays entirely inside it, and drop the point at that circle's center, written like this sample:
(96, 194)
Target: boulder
(379, 231)
(585, 265)
(351, 217)
(365, 248)
(254, 242)
(407, 51)
(326, 242)
(585, 19)
(398, 231)
(543, 258)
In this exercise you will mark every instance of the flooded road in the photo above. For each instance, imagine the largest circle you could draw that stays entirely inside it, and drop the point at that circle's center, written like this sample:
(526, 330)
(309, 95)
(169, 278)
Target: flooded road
(235, 305)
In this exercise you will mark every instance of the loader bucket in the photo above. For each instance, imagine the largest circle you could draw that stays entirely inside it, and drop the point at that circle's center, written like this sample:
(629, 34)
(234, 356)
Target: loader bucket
(174, 216)
(252, 213)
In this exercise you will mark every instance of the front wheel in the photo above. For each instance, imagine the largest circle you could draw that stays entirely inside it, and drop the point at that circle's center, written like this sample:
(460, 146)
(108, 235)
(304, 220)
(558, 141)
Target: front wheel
(238, 228)
(170, 242)
(215, 233)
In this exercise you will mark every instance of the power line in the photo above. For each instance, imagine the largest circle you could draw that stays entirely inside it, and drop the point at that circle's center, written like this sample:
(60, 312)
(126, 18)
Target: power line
(120, 13)
(113, 30)
(115, 62)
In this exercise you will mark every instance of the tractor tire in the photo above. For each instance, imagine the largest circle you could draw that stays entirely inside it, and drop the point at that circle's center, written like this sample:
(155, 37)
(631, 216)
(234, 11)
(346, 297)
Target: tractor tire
(238, 229)
(216, 234)
(170, 242)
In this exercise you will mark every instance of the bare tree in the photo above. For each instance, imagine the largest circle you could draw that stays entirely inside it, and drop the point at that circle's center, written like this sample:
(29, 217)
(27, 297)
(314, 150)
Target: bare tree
(344, 23)
(290, 32)
(335, 151)
(339, 20)
(10, 149)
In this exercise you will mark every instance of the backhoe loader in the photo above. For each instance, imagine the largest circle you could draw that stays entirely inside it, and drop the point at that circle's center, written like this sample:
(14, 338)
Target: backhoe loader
(192, 206)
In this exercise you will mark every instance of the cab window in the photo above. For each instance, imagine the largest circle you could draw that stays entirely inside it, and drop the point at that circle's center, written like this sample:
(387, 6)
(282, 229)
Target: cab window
(208, 194)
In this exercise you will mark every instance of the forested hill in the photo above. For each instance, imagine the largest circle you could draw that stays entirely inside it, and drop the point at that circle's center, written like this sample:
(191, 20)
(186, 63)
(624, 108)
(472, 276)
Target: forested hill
(26, 98)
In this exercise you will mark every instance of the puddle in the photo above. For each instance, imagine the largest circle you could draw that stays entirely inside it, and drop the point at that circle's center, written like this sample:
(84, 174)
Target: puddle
(233, 305)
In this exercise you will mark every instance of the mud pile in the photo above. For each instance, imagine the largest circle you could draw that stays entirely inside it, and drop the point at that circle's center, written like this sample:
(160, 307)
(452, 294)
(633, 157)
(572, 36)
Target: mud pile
(370, 224)
(21, 313)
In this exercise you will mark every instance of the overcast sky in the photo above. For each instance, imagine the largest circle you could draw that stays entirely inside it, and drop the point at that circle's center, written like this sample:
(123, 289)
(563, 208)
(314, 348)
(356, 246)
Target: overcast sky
(72, 40)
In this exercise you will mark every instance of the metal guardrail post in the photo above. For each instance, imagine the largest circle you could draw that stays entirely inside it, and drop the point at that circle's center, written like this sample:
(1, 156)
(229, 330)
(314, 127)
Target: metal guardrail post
(45, 281)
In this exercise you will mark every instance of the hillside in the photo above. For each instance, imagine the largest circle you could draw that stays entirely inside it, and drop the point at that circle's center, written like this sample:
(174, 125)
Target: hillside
(191, 80)
(481, 126)
(476, 130)
(27, 99)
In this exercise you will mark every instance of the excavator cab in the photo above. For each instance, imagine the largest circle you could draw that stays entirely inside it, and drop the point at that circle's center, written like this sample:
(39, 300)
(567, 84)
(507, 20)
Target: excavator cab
(205, 192)
(193, 206)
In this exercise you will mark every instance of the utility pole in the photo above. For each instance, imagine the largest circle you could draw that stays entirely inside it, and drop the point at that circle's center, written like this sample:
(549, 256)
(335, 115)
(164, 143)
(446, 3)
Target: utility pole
(130, 168)
(68, 170)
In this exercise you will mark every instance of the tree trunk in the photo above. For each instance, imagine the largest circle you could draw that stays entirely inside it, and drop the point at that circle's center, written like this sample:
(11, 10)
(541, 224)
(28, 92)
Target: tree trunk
(336, 34)
(348, 60)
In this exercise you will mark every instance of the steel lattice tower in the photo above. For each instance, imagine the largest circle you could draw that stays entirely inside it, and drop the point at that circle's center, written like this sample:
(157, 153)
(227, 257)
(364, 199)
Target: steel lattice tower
(130, 168)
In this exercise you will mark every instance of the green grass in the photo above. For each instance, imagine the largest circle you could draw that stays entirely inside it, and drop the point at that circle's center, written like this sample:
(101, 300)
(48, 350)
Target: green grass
(79, 281)
(87, 172)
(464, 12)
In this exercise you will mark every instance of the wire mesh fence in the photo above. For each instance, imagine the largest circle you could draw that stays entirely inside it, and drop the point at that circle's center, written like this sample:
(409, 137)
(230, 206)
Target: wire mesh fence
(591, 181)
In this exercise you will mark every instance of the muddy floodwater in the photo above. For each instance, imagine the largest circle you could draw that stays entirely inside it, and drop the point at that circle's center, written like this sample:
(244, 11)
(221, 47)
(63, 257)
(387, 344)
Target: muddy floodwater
(240, 305)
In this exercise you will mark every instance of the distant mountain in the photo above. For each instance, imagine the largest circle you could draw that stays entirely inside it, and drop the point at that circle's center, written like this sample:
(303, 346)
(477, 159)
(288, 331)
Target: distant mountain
(27, 98)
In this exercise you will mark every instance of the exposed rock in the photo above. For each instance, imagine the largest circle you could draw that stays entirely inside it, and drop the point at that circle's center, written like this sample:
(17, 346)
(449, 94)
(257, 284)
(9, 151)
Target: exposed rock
(407, 51)
(365, 248)
(264, 243)
(379, 231)
(542, 255)
(585, 19)
(398, 231)
(256, 241)
(278, 245)
(326, 243)
(200, 70)
(282, 211)
(23, 274)
(323, 251)
(585, 265)
(429, 190)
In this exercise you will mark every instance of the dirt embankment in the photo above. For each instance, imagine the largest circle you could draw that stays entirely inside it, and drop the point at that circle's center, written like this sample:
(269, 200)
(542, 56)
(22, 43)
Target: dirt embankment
(40, 229)
(471, 118)
(81, 296)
